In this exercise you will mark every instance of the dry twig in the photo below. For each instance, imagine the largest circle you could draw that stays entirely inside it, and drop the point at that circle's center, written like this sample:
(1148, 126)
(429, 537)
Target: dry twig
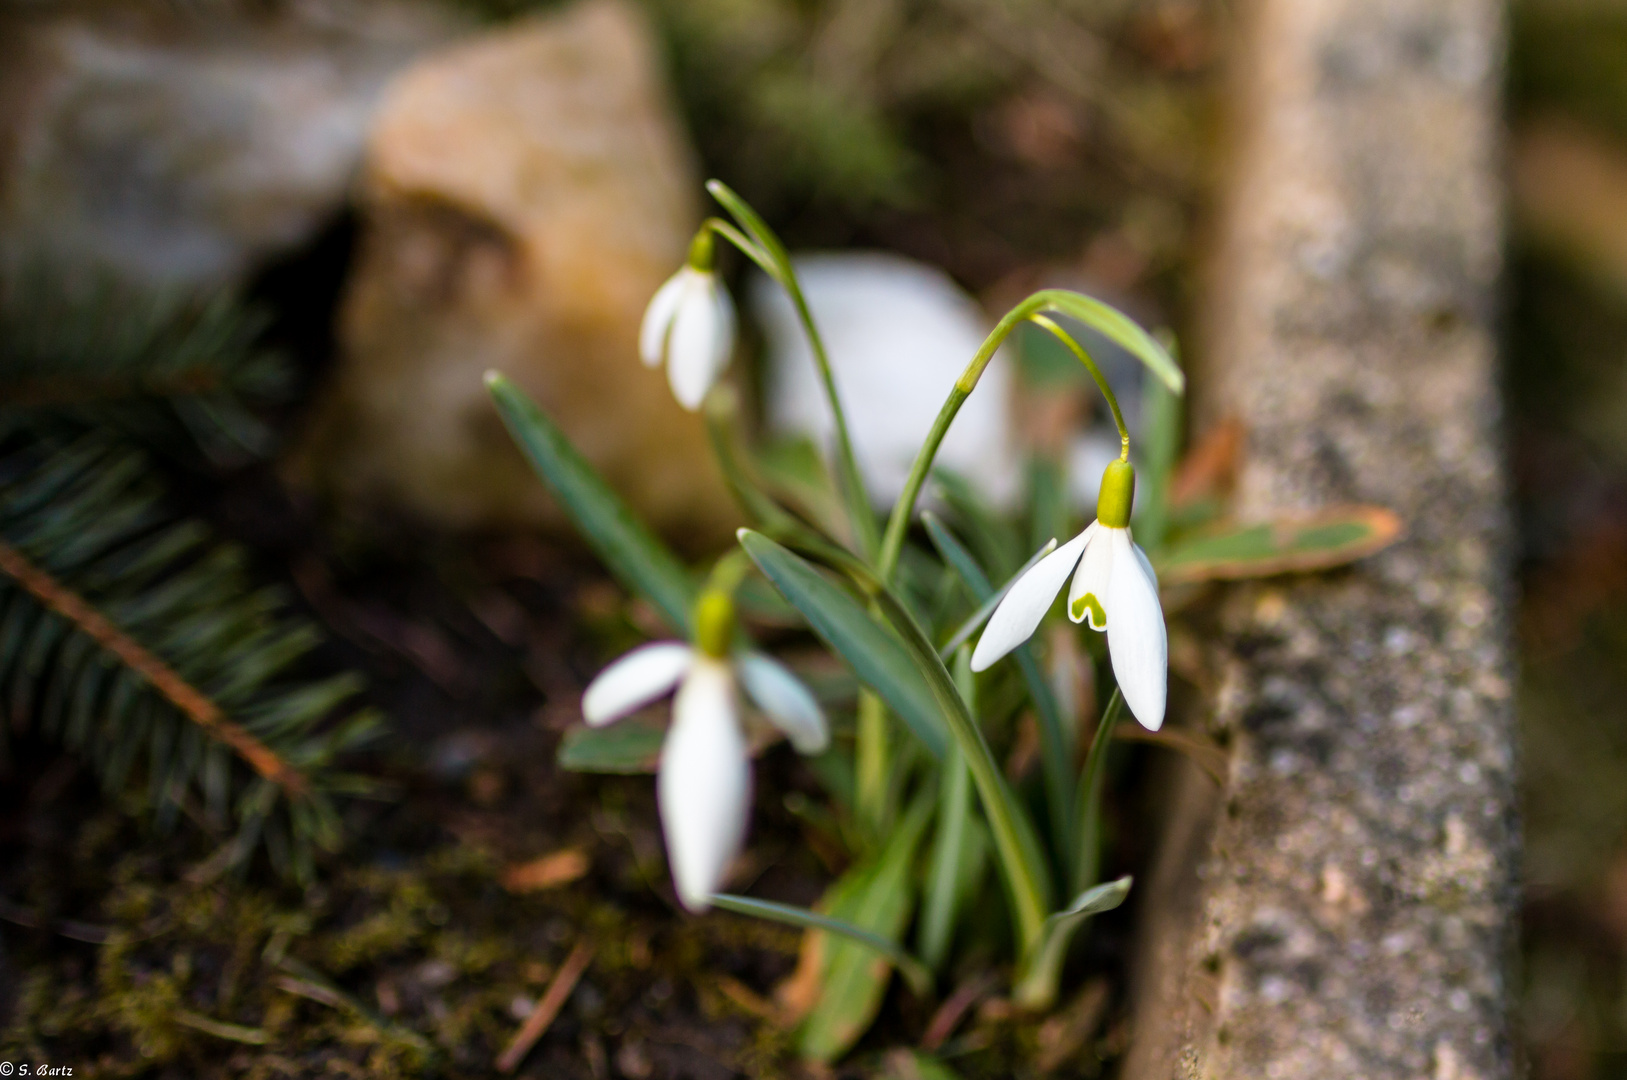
(553, 999)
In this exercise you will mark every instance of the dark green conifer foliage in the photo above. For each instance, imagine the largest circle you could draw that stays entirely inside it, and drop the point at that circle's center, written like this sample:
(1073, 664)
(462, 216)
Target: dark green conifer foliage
(131, 634)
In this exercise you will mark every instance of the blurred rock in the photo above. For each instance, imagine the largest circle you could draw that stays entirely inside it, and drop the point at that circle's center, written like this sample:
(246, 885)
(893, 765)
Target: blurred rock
(1344, 904)
(899, 334)
(525, 194)
(183, 143)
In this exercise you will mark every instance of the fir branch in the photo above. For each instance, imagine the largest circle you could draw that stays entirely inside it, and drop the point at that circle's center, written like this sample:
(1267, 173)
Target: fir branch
(135, 639)
(62, 391)
(155, 365)
(184, 696)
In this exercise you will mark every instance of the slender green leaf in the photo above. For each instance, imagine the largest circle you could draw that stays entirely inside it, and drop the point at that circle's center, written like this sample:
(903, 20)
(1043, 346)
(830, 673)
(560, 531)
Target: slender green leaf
(976, 619)
(1160, 443)
(959, 559)
(1058, 745)
(1319, 541)
(1048, 496)
(722, 427)
(1021, 859)
(943, 893)
(796, 471)
(1199, 751)
(914, 972)
(1120, 329)
(754, 225)
(991, 536)
(1087, 804)
(880, 659)
(629, 746)
(642, 562)
(875, 771)
(1041, 971)
(746, 246)
(855, 499)
(875, 897)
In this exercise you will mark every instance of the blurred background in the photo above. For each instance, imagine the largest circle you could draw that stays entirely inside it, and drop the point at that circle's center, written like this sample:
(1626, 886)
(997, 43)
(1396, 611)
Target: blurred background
(385, 198)
(1567, 385)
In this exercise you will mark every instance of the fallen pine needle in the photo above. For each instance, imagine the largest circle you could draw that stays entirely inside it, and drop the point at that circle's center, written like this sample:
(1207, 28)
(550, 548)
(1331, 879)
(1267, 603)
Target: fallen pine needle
(222, 1030)
(553, 999)
(749, 1000)
(547, 872)
(323, 995)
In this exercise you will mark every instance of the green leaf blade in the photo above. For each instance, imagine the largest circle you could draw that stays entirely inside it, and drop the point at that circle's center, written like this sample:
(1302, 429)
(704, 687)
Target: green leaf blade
(878, 898)
(1120, 329)
(626, 748)
(1042, 970)
(1319, 541)
(626, 545)
(914, 972)
(1056, 736)
(881, 661)
(913, 663)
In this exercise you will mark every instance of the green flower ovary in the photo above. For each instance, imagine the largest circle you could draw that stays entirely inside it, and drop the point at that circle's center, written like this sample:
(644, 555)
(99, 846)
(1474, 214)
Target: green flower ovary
(714, 623)
(1118, 495)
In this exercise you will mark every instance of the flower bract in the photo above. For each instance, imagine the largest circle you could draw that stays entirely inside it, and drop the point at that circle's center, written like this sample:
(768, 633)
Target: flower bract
(689, 325)
(1114, 589)
(703, 784)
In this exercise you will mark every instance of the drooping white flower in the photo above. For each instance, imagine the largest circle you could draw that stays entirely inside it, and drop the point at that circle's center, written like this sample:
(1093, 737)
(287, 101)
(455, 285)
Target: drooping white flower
(690, 325)
(1114, 589)
(703, 782)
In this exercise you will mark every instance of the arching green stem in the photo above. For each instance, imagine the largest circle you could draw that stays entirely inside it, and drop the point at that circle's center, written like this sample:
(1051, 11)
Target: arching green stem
(858, 503)
(762, 247)
(1114, 324)
(1102, 384)
(728, 572)
(892, 541)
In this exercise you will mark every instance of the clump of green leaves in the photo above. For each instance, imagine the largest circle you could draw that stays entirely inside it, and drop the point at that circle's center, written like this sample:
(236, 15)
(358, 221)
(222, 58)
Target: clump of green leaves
(929, 815)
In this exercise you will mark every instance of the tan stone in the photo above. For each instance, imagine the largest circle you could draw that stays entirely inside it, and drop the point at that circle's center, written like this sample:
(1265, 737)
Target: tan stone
(525, 194)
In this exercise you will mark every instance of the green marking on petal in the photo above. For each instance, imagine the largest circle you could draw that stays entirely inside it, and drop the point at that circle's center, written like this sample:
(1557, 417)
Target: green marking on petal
(1088, 602)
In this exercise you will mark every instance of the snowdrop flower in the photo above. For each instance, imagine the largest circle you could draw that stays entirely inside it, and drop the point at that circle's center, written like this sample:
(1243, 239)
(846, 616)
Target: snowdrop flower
(690, 325)
(1114, 588)
(703, 783)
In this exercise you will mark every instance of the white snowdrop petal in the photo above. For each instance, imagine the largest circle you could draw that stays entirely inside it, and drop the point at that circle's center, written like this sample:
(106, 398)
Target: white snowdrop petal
(652, 333)
(785, 701)
(635, 680)
(1087, 597)
(1136, 638)
(691, 350)
(1146, 563)
(1019, 614)
(703, 787)
(724, 315)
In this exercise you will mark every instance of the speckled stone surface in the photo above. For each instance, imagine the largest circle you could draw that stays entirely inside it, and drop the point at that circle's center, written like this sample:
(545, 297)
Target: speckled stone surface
(1345, 907)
